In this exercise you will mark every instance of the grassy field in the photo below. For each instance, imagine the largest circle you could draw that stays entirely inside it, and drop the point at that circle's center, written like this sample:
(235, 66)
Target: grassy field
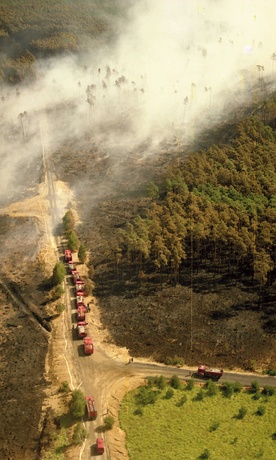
(184, 426)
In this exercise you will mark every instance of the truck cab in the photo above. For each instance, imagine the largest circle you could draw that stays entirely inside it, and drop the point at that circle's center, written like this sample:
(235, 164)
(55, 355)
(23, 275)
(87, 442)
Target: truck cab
(81, 312)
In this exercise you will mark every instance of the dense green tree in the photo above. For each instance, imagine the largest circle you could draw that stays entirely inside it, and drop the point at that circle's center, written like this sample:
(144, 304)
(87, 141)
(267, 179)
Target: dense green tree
(77, 404)
(82, 253)
(59, 273)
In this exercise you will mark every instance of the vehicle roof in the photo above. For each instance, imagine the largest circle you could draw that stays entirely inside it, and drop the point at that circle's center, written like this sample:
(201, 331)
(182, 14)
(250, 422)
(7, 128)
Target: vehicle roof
(100, 442)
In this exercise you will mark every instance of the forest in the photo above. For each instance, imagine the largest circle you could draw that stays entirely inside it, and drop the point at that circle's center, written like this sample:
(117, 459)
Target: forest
(36, 29)
(216, 211)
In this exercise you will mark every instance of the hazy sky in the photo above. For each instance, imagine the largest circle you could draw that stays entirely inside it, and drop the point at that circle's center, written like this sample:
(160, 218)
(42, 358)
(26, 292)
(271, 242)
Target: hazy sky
(178, 64)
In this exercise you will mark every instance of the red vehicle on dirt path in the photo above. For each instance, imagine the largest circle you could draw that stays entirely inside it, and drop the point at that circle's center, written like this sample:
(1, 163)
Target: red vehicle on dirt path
(99, 445)
(81, 312)
(81, 326)
(80, 298)
(88, 346)
(67, 255)
(75, 275)
(210, 372)
(71, 266)
(90, 406)
(79, 284)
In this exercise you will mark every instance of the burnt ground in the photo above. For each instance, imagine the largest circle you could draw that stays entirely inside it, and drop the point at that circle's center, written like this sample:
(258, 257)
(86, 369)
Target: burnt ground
(205, 317)
(24, 342)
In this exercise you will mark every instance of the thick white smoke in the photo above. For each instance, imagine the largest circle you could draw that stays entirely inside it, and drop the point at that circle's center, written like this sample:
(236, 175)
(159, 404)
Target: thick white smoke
(178, 65)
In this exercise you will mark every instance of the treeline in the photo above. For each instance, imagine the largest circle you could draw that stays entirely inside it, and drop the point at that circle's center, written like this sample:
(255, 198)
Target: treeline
(36, 28)
(217, 211)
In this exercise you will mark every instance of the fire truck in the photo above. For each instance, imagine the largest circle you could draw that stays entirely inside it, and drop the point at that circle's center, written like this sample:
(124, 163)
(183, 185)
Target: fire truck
(88, 346)
(79, 284)
(81, 326)
(99, 445)
(90, 406)
(81, 312)
(71, 266)
(209, 372)
(80, 298)
(67, 255)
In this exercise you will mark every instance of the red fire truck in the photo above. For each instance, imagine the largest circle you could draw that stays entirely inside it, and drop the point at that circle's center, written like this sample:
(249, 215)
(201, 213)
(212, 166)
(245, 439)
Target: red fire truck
(210, 372)
(81, 329)
(81, 312)
(80, 298)
(67, 255)
(79, 285)
(71, 266)
(99, 445)
(90, 406)
(88, 346)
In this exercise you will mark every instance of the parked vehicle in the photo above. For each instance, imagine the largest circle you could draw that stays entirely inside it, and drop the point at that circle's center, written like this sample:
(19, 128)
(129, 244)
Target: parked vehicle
(81, 312)
(71, 266)
(90, 406)
(88, 346)
(81, 326)
(79, 285)
(67, 255)
(80, 298)
(209, 372)
(99, 445)
(75, 275)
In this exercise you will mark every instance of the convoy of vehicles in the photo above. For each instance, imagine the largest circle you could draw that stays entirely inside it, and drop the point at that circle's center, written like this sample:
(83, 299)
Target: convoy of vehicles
(202, 371)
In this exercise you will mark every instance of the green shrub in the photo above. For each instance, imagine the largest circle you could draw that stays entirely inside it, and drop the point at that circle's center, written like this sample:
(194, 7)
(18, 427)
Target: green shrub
(274, 436)
(211, 388)
(255, 386)
(205, 454)
(59, 273)
(68, 221)
(161, 382)
(176, 361)
(73, 241)
(108, 422)
(200, 395)
(261, 410)
(182, 401)
(169, 394)
(82, 254)
(138, 411)
(237, 387)
(64, 388)
(227, 389)
(60, 307)
(268, 391)
(270, 372)
(257, 395)
(175, 382)
(56, 292)
(190, 385)
(80, 434)
(145, 396)
(77, 404)
(214, 426)
(242, 413)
